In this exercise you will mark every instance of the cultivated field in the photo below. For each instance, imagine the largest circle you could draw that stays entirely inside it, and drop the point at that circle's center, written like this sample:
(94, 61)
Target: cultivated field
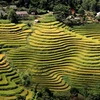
(51, 53)
(9, 80)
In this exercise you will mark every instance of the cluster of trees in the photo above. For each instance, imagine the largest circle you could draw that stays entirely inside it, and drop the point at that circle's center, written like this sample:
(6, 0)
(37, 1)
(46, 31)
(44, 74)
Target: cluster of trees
(46, 94)
(75, 94)
(91, 5)
(61, 8)
(26, 79)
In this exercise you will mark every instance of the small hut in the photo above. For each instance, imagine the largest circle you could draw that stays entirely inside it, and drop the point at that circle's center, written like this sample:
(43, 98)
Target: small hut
(22, 14)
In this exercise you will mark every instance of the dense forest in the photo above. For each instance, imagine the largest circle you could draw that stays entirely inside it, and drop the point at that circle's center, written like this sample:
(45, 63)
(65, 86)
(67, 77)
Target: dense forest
(91, 5)
(61, 8)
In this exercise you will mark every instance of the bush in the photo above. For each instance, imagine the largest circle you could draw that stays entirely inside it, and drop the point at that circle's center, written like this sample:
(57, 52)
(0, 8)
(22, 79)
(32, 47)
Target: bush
(20, 97)
(94, 97)
(41, 11)
(5, 16)
(44, 94)
(74, 92)
(81, 11)
(26, 79)
(4, 21)
(71, 22)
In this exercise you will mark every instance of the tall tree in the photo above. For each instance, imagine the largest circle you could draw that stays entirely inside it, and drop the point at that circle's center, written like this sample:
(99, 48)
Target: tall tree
(90, 5)
(98, 6)
(86, 4)
(93, 4)
(61, 11)
(12, 16)
(43, 4)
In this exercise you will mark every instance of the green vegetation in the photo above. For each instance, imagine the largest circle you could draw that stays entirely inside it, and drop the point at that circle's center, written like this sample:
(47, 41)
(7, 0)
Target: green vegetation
(9, 81)
(26, 79)
(47, 18)
(49, 55)
(88, 30)
(4, 21)
(62, 9)
(12, 16)
(49, 4)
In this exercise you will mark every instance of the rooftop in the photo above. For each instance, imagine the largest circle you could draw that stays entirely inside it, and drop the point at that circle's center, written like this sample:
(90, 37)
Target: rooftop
(21, 12)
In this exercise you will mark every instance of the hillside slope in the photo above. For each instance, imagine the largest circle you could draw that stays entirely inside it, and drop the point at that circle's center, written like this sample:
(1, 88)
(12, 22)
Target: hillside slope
(53, 52)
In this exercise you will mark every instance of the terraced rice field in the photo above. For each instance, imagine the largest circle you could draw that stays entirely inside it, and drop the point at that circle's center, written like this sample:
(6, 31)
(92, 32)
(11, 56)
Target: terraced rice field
(89, 30)
(52, 52)
(12, 36)
(45, 69)
(9, 80)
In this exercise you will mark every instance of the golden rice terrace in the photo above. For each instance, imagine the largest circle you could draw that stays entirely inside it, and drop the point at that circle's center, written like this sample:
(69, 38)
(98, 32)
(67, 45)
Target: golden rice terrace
(50, 53)
(9, 80)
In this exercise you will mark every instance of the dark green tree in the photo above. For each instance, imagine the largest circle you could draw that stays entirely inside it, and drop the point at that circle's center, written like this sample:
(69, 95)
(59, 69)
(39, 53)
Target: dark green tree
(81, 11)
(43, 4)
(90, 5)
(35, 3)
(1, 16)
(93, 5)
(86, 4)
(26, 80)
(74, 92)
(12, 16)
(45, 94)
(94, 97)
(61, 11)
(98, 6)
(20, 97)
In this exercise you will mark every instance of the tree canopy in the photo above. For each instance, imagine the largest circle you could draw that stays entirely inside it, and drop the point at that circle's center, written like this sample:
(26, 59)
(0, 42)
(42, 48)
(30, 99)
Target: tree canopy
(91, 5)
(12, 16)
